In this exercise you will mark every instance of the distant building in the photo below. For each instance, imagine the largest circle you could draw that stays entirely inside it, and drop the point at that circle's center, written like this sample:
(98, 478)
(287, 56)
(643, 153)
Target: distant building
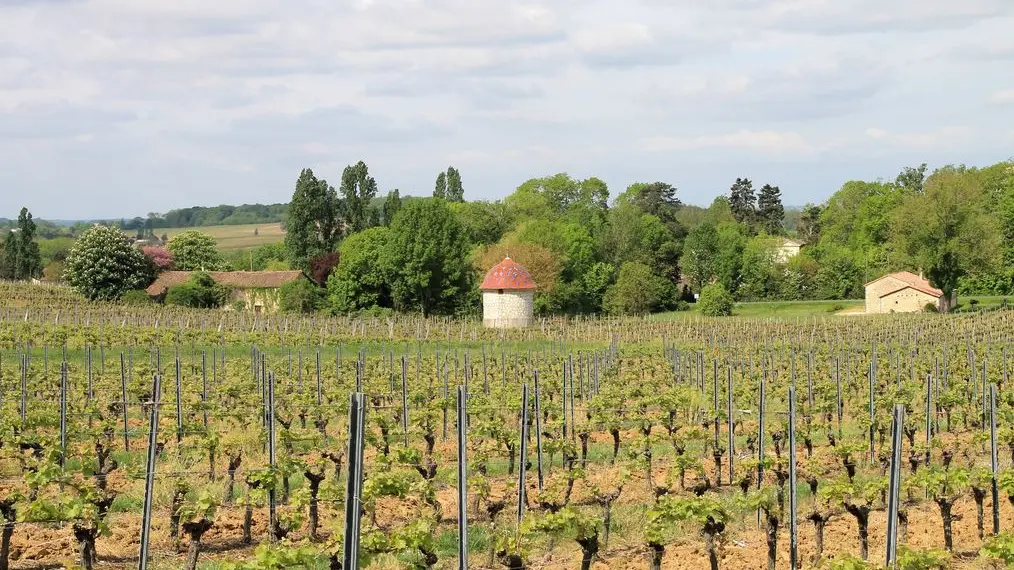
(508, 293)
(255, 291)
(786, 249)
(904, 292)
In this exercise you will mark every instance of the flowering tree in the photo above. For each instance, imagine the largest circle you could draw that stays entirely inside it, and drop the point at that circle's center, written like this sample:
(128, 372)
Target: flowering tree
(160, 257)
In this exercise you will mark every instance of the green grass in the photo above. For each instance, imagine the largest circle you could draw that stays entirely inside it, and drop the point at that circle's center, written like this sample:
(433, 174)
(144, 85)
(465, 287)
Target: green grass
(784, 309)
(232, 238)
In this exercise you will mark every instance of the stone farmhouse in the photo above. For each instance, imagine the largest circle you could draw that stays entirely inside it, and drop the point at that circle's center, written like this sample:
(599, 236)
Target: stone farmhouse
(786, 249)
(255, 291)
(904, 292)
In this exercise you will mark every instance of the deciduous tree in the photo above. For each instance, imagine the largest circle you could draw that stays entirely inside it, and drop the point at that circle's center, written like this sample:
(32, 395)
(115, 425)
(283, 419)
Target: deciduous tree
(103, 265)
(357, 189)
(312, 225)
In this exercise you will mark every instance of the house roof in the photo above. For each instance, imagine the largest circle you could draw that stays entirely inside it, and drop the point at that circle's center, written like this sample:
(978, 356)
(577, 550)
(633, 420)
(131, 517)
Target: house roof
(909, 279)
(789, 242)
(508, 274)
(231, 279)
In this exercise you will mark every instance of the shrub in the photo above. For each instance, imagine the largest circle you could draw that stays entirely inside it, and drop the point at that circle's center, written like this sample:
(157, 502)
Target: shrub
(200, 291)
(195, 251)
(301, 296)
(160, 257)
(715, 301)
(930, 308)
(136, 297)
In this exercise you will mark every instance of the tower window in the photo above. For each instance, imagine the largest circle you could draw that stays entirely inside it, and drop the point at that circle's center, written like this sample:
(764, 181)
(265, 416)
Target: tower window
(499, 291)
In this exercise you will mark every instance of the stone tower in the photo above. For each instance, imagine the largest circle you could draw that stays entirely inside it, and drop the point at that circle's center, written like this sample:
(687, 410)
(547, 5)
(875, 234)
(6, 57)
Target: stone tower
(507, 296)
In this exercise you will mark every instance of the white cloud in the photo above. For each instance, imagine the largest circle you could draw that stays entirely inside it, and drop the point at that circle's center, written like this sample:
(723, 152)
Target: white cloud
(212, 102)
(1006, 96)
(761, 142)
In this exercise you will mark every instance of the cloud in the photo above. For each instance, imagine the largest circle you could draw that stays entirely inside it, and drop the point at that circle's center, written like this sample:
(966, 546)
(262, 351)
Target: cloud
(210, 102)
(760, 142)
(1005, 96)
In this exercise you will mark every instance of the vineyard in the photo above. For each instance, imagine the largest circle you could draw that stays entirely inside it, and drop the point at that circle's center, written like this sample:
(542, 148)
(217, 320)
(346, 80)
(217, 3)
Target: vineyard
(165, 438)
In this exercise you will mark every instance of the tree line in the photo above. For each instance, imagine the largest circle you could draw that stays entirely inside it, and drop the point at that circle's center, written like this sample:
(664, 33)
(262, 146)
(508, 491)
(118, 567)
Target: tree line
(642, 251)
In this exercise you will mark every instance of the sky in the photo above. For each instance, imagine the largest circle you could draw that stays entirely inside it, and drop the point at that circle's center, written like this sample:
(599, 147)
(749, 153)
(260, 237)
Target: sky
(117, 108)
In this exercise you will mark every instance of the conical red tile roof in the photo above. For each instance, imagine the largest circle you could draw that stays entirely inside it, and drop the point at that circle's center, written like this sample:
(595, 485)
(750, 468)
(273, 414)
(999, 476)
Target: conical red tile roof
(508, 275)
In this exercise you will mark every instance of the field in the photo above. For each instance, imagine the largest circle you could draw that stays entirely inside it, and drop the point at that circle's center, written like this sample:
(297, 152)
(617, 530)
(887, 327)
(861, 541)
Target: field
(232, 238)
(645, 443)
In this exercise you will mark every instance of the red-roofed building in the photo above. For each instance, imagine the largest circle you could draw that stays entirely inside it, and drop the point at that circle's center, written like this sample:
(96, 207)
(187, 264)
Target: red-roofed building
(508, 293)
(904, 292)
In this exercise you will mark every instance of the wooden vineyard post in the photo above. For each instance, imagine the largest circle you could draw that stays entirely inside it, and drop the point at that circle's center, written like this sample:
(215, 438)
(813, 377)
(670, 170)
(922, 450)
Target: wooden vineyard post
(353, 487)
(485, 372)
(63, 413)
(523, 459)
(873, 411)
(839, 407)
(929, 416)
(793, 522)
(179, 402)
(404, 398)
(894, 486)
(123, 397)
(272, 503)
(563, 399)
(994, 462)
(462, 480)
(204, 386)
(538, 431)
(149, 477)
(88, 366)
(24, 388)
(320, 395)
(732, 427)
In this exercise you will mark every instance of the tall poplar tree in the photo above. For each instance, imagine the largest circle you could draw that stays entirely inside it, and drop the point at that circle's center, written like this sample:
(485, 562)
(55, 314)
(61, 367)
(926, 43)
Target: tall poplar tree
(455, 192)
(357, 189)
(312, 226)
(440, 188)
(21, 258)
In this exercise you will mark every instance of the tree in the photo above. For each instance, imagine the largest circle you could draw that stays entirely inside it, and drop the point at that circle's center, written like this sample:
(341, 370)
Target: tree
(193, 250)
(715, 301)
(312, 225)
(322, 266)
(770, 212)
(700, 251)
(946, 230)
(440, 188)
(484, 223)
(541, 263)
(912, 179)
(455, 192)
(658, 199)
(742, 201)
(809, 224)
(357, 189)
(300, 296)
(103, 266)
(21, 258)
(199, 292)
(391, 206)
(160, 257)
(428, 257)
(361, 280)
(638, 291)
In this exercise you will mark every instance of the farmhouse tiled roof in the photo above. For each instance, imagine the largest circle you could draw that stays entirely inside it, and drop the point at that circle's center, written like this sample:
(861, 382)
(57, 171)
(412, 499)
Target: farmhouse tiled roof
(230, 279)
(912, 280)
(508, 275)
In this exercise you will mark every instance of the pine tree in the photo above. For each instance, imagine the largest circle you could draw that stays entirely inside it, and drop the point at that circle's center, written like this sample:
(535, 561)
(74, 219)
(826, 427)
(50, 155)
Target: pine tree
(440, 190)
(770, 211)
(455, 192)
(742, 201)
(312, 221)
(358, 189)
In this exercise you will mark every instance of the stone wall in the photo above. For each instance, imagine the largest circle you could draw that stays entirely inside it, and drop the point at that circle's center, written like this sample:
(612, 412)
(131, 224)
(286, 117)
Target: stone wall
(509, 309)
